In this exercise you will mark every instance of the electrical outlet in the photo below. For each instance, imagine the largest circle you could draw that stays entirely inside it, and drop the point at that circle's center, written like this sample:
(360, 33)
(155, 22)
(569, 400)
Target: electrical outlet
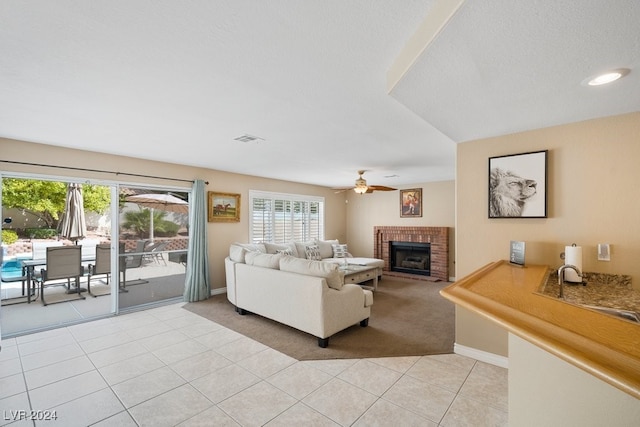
(604, 253)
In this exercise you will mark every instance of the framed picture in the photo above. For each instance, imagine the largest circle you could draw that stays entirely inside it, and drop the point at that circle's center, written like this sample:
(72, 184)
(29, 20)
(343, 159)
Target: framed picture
(518, 185)
(223, 207)
(411, 203)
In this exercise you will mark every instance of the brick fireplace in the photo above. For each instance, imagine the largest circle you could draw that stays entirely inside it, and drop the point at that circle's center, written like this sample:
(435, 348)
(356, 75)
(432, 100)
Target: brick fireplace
(438, 237)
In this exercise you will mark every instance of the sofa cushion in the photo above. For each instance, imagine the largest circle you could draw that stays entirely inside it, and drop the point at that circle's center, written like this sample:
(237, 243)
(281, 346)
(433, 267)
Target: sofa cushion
(312, 252)
(340, 250)
(237, 250)
(326, 247)
(263, 260)
(329, 271)
(273, 248)
(301, 248)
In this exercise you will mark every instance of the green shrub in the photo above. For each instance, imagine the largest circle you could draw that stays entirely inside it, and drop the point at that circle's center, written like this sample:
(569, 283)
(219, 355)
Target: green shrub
(9, 237)
(41, 233)
(165, 229)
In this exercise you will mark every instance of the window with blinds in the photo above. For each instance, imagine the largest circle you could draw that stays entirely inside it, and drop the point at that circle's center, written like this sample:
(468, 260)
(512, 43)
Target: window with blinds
(280, 218)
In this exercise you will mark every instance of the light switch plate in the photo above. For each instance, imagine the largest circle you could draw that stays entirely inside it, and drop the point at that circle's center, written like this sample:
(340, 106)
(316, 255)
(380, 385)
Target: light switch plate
(604, 253)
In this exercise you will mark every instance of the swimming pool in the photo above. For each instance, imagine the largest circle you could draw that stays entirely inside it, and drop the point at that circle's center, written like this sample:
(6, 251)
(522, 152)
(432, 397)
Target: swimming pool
(11, 270)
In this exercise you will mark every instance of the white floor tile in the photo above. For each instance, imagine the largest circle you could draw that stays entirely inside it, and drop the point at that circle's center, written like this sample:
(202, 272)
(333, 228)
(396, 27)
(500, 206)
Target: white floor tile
(66, 390)
(371, 377)
(340, 401)
(256, 405)
(267, 362)
(168, 366)
(147, 386)
(213, 416)
(58, 371)
(299, 411)
(171, 408)
(51, 357)
(384, 413)
(130, 368)
(225, 382)
(86, 410)
(425, 399)
(200, 365)
(299, 380)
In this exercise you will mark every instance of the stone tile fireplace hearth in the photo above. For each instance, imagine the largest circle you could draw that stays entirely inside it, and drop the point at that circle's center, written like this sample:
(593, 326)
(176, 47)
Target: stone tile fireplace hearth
(438, 242)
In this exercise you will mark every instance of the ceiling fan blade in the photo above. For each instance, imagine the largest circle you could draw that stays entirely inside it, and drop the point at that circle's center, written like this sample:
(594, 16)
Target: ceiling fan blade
(341, 190)
(379, 188)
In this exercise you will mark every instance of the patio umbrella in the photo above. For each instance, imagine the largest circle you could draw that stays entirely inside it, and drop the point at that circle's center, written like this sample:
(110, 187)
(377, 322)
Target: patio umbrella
(164, 202)
(73, 225)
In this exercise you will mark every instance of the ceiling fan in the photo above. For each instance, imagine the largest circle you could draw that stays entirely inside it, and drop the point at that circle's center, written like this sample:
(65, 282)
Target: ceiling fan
(361, 186)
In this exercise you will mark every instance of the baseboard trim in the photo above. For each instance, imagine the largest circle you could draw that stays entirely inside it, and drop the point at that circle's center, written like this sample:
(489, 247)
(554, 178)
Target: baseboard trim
(218, 291)
(482, 356)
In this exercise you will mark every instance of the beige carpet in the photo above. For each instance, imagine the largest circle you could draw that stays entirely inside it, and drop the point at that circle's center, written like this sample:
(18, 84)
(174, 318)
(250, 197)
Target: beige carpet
(408, 318)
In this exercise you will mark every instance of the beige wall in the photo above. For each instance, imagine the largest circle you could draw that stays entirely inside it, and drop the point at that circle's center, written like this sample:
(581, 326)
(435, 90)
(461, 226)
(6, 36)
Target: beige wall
(592, 188)
(382, 208)
(220, 235)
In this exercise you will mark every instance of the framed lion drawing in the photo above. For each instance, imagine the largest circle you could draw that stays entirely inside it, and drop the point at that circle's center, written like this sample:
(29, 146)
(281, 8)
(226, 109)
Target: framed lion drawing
(518, 185)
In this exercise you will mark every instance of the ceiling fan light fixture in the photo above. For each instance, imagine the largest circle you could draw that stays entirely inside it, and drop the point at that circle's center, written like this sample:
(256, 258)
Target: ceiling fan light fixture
(360, 189)
(608, 77)
(361, 184)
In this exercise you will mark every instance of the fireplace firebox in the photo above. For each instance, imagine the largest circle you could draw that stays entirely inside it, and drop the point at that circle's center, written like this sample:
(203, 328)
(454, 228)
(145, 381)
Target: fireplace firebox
(410, 257)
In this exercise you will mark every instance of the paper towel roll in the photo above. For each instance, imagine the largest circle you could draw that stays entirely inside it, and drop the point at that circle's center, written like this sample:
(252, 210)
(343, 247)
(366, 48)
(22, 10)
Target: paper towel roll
(573, 256)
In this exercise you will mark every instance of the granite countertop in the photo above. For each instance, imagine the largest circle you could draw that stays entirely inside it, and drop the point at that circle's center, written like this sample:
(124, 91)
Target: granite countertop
(604, 290)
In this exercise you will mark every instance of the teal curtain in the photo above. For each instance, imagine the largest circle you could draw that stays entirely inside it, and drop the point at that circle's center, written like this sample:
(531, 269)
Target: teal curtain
(197, 284)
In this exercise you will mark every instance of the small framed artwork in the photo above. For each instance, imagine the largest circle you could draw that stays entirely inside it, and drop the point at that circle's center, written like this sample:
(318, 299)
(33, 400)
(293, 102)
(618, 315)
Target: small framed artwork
(516, 253)
(518, 185)
(411, 203)
(223, 207)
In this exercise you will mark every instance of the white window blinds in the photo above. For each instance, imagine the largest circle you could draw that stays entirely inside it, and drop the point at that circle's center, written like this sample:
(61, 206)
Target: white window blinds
(280, 218)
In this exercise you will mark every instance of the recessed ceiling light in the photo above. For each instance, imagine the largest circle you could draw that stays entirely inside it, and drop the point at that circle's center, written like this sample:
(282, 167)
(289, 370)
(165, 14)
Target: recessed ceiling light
(608, 77)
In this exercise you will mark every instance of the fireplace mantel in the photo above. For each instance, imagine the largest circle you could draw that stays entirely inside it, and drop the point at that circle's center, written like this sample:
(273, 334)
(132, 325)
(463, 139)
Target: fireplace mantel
(437, 236)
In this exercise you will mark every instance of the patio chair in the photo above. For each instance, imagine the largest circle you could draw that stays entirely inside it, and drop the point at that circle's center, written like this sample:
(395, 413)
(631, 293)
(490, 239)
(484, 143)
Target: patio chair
(131, 261)
(63, 262)
(154, 251)
(39, 248)
(101, 266)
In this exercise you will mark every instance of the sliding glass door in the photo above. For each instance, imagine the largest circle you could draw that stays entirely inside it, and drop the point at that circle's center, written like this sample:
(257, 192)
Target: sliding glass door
(133, 240)
(153, 241)
(40, 213)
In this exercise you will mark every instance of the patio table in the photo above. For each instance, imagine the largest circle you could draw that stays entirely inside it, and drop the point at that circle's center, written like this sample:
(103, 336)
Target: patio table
(29, 265)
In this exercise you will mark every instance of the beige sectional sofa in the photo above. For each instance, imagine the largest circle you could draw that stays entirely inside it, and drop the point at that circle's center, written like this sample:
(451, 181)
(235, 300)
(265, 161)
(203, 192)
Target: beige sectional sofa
(275, 282)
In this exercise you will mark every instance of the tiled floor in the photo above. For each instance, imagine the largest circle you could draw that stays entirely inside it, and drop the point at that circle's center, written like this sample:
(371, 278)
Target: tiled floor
(167, 366)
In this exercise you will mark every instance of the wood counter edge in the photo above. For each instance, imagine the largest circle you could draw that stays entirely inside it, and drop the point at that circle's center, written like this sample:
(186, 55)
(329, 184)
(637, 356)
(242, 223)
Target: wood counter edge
(571, 338)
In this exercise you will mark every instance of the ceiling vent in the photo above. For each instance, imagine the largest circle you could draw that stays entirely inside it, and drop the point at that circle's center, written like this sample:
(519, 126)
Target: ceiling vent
(248, 138)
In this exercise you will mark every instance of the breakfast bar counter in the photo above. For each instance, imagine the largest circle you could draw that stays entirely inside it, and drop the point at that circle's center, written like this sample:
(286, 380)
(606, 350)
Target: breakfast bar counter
(605, 346)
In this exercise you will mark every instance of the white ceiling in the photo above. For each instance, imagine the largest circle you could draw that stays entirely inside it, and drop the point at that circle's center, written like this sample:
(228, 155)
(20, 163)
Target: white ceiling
(177, 81)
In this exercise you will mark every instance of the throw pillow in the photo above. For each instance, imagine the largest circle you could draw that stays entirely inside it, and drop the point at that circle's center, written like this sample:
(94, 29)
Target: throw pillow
(237, 250)
(312, 252)
(327, 270)
(325, 246)
(273, 248)
(263, 260)
(285, 251)
(301, 248)
(340, 250)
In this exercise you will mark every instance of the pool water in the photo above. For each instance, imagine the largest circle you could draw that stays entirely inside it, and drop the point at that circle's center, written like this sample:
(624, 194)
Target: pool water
(11, 270)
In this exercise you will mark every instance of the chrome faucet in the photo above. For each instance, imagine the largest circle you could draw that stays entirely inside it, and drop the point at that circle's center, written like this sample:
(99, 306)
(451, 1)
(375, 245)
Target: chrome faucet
(561, 276)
